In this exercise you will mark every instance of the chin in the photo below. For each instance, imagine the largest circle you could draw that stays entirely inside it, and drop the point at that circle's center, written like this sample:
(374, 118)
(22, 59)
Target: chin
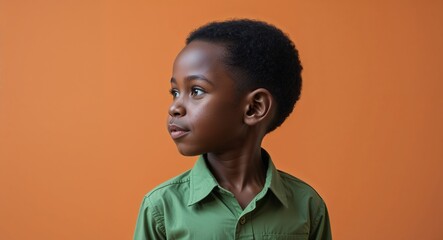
(188, 151)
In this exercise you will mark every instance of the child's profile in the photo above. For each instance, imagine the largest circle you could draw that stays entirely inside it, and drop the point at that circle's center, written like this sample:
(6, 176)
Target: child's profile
(233, 83)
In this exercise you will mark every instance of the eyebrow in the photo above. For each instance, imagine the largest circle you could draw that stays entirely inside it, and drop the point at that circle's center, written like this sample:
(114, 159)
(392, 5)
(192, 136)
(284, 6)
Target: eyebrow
(193, 77)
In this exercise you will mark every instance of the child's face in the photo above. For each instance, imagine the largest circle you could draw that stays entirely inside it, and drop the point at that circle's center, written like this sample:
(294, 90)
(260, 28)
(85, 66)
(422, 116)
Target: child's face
(206, 114)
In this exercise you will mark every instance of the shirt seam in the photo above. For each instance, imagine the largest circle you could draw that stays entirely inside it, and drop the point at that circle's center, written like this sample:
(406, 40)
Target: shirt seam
(294, 179)
(156, 214)
(167, 185)
(319, 215)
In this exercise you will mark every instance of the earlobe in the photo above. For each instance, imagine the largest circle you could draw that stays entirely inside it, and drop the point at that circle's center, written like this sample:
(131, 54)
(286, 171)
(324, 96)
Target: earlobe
(260, 102)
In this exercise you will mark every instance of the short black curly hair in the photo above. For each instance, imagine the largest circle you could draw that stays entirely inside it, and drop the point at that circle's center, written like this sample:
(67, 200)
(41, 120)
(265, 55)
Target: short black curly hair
(261, 56)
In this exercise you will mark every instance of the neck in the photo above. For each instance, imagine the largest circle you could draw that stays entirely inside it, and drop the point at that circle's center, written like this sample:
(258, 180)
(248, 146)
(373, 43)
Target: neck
(239, 170)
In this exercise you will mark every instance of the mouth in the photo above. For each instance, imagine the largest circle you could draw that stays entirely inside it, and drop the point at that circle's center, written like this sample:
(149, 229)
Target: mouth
(176, 131)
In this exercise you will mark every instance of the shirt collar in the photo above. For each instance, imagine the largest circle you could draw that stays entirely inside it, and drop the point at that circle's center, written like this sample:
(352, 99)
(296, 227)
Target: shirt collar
(202, 182)
(274, 181)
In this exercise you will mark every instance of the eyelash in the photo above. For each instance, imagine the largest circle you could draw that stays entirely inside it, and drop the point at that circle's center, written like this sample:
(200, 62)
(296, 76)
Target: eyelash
(175, 93)
(194, 89)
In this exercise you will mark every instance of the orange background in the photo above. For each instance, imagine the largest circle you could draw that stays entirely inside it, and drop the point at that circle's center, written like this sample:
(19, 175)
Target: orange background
(84, 98)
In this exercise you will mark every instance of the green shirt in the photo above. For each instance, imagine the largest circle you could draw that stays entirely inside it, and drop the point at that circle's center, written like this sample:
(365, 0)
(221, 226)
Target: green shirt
(194, 206)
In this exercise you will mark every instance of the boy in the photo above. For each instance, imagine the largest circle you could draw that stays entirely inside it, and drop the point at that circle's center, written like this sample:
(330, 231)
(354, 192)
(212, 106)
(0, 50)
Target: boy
(234, 82)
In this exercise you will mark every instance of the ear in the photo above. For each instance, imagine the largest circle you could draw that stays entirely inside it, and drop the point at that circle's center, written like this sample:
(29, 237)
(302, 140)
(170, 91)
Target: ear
(259, 106)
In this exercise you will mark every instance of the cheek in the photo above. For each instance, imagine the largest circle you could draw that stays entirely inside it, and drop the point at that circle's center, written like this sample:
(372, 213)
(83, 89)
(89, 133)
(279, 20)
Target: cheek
(203, 118)
(218, 116)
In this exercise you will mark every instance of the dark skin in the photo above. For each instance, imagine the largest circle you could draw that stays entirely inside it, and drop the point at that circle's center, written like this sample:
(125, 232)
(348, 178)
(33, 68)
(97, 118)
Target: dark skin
(209, 115)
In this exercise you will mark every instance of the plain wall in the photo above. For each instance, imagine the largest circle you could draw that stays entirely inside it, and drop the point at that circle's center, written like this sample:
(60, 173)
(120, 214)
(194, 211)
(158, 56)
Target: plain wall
(84, 98)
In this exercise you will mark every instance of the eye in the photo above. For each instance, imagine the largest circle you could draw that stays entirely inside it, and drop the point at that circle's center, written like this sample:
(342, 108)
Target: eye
(197, 91)
(174, 93)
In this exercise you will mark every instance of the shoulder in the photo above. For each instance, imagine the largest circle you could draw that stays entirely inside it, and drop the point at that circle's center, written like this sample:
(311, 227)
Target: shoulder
(299, 189)
(169, 194)
(304, 198)
(171, 189)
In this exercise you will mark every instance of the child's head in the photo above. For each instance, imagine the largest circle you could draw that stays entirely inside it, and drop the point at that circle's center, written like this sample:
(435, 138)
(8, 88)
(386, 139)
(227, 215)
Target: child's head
(233, 82)
(259, 56)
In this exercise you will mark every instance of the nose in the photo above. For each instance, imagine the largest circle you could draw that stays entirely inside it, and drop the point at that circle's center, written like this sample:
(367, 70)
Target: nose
(176, 109)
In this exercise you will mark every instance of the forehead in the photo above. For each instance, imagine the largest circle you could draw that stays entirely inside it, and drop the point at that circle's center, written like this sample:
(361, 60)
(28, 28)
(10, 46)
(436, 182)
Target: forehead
(200, 56)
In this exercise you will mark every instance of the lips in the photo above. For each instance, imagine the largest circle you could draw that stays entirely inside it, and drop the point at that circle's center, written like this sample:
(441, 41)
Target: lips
(177, 131)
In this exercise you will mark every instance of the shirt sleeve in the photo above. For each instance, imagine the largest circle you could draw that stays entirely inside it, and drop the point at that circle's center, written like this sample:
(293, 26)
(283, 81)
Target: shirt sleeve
(321, 229)
(149, 223)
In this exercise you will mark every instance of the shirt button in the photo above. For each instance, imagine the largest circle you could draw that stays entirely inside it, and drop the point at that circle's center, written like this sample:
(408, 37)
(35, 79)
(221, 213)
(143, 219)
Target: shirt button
(242, 220)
